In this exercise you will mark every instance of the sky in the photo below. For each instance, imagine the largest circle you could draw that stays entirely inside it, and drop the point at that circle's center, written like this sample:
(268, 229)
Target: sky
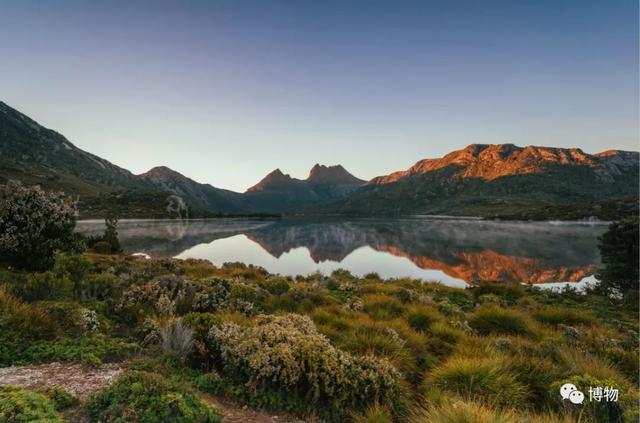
(226, 91)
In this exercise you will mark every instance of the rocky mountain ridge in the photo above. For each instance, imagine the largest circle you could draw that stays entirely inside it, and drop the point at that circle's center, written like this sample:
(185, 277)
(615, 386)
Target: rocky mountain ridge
(487, 180)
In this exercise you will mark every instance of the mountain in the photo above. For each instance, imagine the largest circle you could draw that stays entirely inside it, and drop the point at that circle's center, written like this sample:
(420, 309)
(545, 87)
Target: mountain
(505, 181)
(34, 154)
(202, 197)
(278, 192)
(495, 181)
(332, 175)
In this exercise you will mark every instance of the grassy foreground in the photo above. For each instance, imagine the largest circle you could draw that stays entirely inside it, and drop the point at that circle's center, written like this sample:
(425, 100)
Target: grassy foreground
(337, 348)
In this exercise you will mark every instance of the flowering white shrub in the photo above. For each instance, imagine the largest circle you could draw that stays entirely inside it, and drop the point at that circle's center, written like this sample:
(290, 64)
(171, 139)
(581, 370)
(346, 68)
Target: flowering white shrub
(35, 224)
(89, 320)
(287, 352)
(169, 294)
(355, 304)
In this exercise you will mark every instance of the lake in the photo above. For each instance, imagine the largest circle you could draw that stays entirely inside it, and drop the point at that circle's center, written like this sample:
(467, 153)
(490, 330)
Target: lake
(457, 252)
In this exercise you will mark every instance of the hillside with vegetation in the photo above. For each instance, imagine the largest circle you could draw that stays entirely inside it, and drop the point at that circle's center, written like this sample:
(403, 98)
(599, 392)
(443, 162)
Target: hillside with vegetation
(177, 338)
(505, 181)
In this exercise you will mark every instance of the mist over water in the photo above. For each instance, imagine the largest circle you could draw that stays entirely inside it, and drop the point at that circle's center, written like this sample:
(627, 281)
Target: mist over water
(455, 252)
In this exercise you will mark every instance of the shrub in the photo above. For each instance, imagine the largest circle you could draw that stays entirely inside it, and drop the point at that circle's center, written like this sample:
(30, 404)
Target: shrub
(209, 382)
(287, 353)
(18, 405)
(60, 397)
(487, 379)
(45, 286)
(150, 398)
(493, 320)
(101, 286)
(34, 225)
(89, 349)
(275, 285)
(75, 267)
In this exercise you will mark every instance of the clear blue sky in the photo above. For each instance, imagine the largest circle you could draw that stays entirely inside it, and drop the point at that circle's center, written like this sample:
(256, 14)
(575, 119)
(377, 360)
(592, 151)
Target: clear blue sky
(226, 91)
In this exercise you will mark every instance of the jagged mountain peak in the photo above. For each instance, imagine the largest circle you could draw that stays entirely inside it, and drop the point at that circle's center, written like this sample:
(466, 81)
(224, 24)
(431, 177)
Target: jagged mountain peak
(321, 174)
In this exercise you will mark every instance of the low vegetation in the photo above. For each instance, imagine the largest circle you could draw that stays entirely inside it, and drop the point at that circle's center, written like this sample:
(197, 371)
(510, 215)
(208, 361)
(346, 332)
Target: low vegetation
(333, 348)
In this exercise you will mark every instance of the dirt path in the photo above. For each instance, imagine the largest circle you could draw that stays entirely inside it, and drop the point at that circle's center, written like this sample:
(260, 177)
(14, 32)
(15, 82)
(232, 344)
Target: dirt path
(81, 381)
(77, 379)
(235, 413)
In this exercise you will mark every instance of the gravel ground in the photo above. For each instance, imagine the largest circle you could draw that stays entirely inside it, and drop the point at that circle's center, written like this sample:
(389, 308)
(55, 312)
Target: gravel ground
(77, 379)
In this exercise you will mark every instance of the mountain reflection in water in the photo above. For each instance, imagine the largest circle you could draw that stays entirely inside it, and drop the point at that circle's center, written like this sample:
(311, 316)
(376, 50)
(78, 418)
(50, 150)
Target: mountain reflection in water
(453, 251)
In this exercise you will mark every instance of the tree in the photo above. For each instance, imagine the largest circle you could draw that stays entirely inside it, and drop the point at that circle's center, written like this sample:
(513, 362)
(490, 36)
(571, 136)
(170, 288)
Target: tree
(111, 232)
(35, 224)
(619, 252)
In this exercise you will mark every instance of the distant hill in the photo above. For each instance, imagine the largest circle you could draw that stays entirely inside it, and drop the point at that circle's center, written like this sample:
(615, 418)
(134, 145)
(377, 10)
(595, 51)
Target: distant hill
(198, 196)
(278, 192)
(505, 181)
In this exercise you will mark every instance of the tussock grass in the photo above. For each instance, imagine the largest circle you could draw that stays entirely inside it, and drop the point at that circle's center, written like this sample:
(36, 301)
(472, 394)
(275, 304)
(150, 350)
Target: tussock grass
(565, 316)
(485, 378)
(493, 320)
(382, 307)
(421, 318)
(374, 414)
(459, 411)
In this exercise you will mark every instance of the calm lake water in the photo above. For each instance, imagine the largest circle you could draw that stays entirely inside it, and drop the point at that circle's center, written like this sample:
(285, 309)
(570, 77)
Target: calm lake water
(456, 252)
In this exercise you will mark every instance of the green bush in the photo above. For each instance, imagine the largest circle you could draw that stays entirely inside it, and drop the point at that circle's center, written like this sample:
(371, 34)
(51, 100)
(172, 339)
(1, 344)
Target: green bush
(18, 405)
(493, 320)
(75, 267)
(485, 379)
(150, 398)
(35, 225)
(210, 382)
(46, 286)
(60, 397)
(90, 349)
